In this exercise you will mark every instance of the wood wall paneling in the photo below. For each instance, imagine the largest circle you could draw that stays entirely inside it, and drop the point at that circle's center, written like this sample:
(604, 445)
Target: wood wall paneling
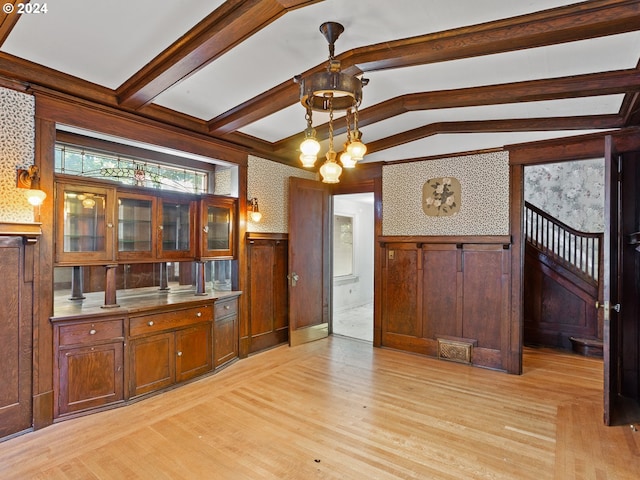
(444, 290)
(268, 290)
(557, 303)
(401, 277)
(16, 334)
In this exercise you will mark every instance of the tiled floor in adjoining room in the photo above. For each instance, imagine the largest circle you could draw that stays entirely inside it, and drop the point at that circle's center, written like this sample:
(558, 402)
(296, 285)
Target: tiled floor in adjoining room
(355, 322)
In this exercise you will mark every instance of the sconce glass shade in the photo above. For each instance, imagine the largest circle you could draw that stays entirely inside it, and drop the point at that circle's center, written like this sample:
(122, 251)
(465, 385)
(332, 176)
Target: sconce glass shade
(254, 212)
(308, 161)
(35, 197)
(356, 148)
(309, 148)
(330, 170)
(347, 160)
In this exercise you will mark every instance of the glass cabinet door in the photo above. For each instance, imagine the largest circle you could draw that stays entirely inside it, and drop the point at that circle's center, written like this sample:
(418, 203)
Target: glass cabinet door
(217, 216)
(177, 224)
(136, 231)
(84, 223)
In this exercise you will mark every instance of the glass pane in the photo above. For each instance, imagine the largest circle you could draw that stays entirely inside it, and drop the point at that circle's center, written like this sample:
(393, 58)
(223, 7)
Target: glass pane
(84, 222)
(175, 226)
(134, 225)
(218, 221)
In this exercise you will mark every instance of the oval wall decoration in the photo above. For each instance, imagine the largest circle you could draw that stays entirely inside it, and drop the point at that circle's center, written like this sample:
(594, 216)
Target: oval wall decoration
(441, 197)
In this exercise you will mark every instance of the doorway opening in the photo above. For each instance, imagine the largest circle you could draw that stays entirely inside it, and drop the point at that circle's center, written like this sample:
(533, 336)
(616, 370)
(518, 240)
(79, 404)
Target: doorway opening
(353, 265)
(563, 225)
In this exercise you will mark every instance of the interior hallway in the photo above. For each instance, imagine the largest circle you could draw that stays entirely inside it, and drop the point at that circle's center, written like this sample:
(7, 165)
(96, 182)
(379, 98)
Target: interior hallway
(340, 409)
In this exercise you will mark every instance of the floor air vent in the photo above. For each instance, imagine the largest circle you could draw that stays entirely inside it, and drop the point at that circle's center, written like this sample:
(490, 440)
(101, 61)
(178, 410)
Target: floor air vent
(454, 350)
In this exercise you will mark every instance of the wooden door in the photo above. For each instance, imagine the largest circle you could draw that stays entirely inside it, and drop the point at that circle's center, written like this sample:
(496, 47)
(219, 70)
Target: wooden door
(309, 260)
(193, 352)
(610, 271)
(152, 363)
(90, 376)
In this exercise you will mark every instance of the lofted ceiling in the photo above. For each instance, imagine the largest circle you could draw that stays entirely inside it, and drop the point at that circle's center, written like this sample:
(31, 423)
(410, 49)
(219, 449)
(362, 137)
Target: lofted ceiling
(445, 76)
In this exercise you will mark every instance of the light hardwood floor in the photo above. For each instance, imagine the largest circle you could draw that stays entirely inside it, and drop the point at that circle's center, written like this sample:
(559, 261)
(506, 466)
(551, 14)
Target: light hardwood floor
(340, 409)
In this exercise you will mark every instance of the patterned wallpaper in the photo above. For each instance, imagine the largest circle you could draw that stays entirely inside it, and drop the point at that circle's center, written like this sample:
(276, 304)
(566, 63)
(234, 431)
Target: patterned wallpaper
(484, 180)
(224, 181)
(17, 146)
(572, 192)
(269, 182)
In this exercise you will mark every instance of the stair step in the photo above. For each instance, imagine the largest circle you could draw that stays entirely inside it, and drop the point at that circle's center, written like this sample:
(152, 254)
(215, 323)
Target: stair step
(589, 347)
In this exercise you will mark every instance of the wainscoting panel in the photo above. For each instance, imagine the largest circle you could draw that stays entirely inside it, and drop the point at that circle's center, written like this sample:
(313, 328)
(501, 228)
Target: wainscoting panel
(447, 290)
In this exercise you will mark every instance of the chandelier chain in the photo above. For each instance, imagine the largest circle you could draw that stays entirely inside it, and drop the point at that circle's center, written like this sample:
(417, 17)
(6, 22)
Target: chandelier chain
(330, 124)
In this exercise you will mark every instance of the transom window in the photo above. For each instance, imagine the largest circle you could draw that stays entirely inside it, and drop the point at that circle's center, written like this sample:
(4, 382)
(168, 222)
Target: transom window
(72, 160)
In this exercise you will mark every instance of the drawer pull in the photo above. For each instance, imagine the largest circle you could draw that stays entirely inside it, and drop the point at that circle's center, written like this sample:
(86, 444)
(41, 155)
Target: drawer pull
(179, 354)
(150, 323)
(227, 307)
(199, 314)
(92, 331)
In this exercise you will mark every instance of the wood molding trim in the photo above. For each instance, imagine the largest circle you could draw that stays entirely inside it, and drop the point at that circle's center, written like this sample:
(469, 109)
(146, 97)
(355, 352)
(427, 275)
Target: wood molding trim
(457, 239)
(84, 114)
(572, 148)
(29, 231)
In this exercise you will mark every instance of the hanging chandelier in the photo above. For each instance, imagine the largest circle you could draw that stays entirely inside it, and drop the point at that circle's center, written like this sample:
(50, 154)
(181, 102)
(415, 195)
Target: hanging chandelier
(330, 91)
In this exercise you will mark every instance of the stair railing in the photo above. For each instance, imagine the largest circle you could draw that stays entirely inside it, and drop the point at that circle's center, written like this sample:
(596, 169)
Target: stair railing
(574, 250)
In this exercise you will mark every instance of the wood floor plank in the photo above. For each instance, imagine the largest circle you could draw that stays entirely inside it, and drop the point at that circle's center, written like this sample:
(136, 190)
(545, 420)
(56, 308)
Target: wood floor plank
(340, 409)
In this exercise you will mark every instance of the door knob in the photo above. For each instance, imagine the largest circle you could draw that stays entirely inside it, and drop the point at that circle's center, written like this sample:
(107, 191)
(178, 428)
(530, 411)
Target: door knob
(293, 277)
(606, 305)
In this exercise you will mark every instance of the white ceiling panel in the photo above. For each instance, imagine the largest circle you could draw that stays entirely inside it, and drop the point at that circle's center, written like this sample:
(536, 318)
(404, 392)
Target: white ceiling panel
(447, 144)
(103, 41)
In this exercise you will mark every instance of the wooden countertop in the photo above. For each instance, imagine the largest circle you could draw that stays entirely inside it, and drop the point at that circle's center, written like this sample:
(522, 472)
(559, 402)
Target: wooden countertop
(133, 301)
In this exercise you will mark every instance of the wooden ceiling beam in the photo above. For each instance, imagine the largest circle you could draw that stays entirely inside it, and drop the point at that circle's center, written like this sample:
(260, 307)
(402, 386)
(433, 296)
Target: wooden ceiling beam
(587, 85)
(226, 27)
(9, 20)
(564, 24)
(491, 126)
(548, 27)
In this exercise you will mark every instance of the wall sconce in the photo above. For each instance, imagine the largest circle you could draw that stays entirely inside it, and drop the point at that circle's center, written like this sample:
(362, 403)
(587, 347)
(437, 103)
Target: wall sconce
(254, 212)
(25, 179)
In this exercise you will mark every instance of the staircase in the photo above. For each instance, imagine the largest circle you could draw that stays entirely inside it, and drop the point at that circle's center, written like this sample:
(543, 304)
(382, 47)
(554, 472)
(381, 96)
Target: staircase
(561, 284)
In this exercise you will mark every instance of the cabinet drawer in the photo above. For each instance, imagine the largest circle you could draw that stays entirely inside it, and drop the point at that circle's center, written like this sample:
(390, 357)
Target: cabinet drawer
(87, 332)
(169, 320)
(226, 307)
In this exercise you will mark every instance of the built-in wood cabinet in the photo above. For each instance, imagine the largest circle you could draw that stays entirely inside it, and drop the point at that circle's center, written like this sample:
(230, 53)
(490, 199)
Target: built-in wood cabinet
(136, 234)
(177, 226)
(155, 341)
(225, 331)
(90, 364)
(98, 223)
(217, 221)
(169, 347)
(84, 223)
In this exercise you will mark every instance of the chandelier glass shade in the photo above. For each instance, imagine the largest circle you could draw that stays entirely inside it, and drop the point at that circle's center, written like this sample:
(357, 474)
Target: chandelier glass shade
(329, 91)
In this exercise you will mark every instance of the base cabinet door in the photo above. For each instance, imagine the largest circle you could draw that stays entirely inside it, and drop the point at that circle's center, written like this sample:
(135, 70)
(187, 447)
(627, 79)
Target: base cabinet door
(225, 331)
(152, 363)
(193, 352)
(90, 377)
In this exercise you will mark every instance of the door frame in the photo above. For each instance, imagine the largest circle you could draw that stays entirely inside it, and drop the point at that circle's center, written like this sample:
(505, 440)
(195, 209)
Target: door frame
(333, 213)
(366, 179)
(580, 147)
